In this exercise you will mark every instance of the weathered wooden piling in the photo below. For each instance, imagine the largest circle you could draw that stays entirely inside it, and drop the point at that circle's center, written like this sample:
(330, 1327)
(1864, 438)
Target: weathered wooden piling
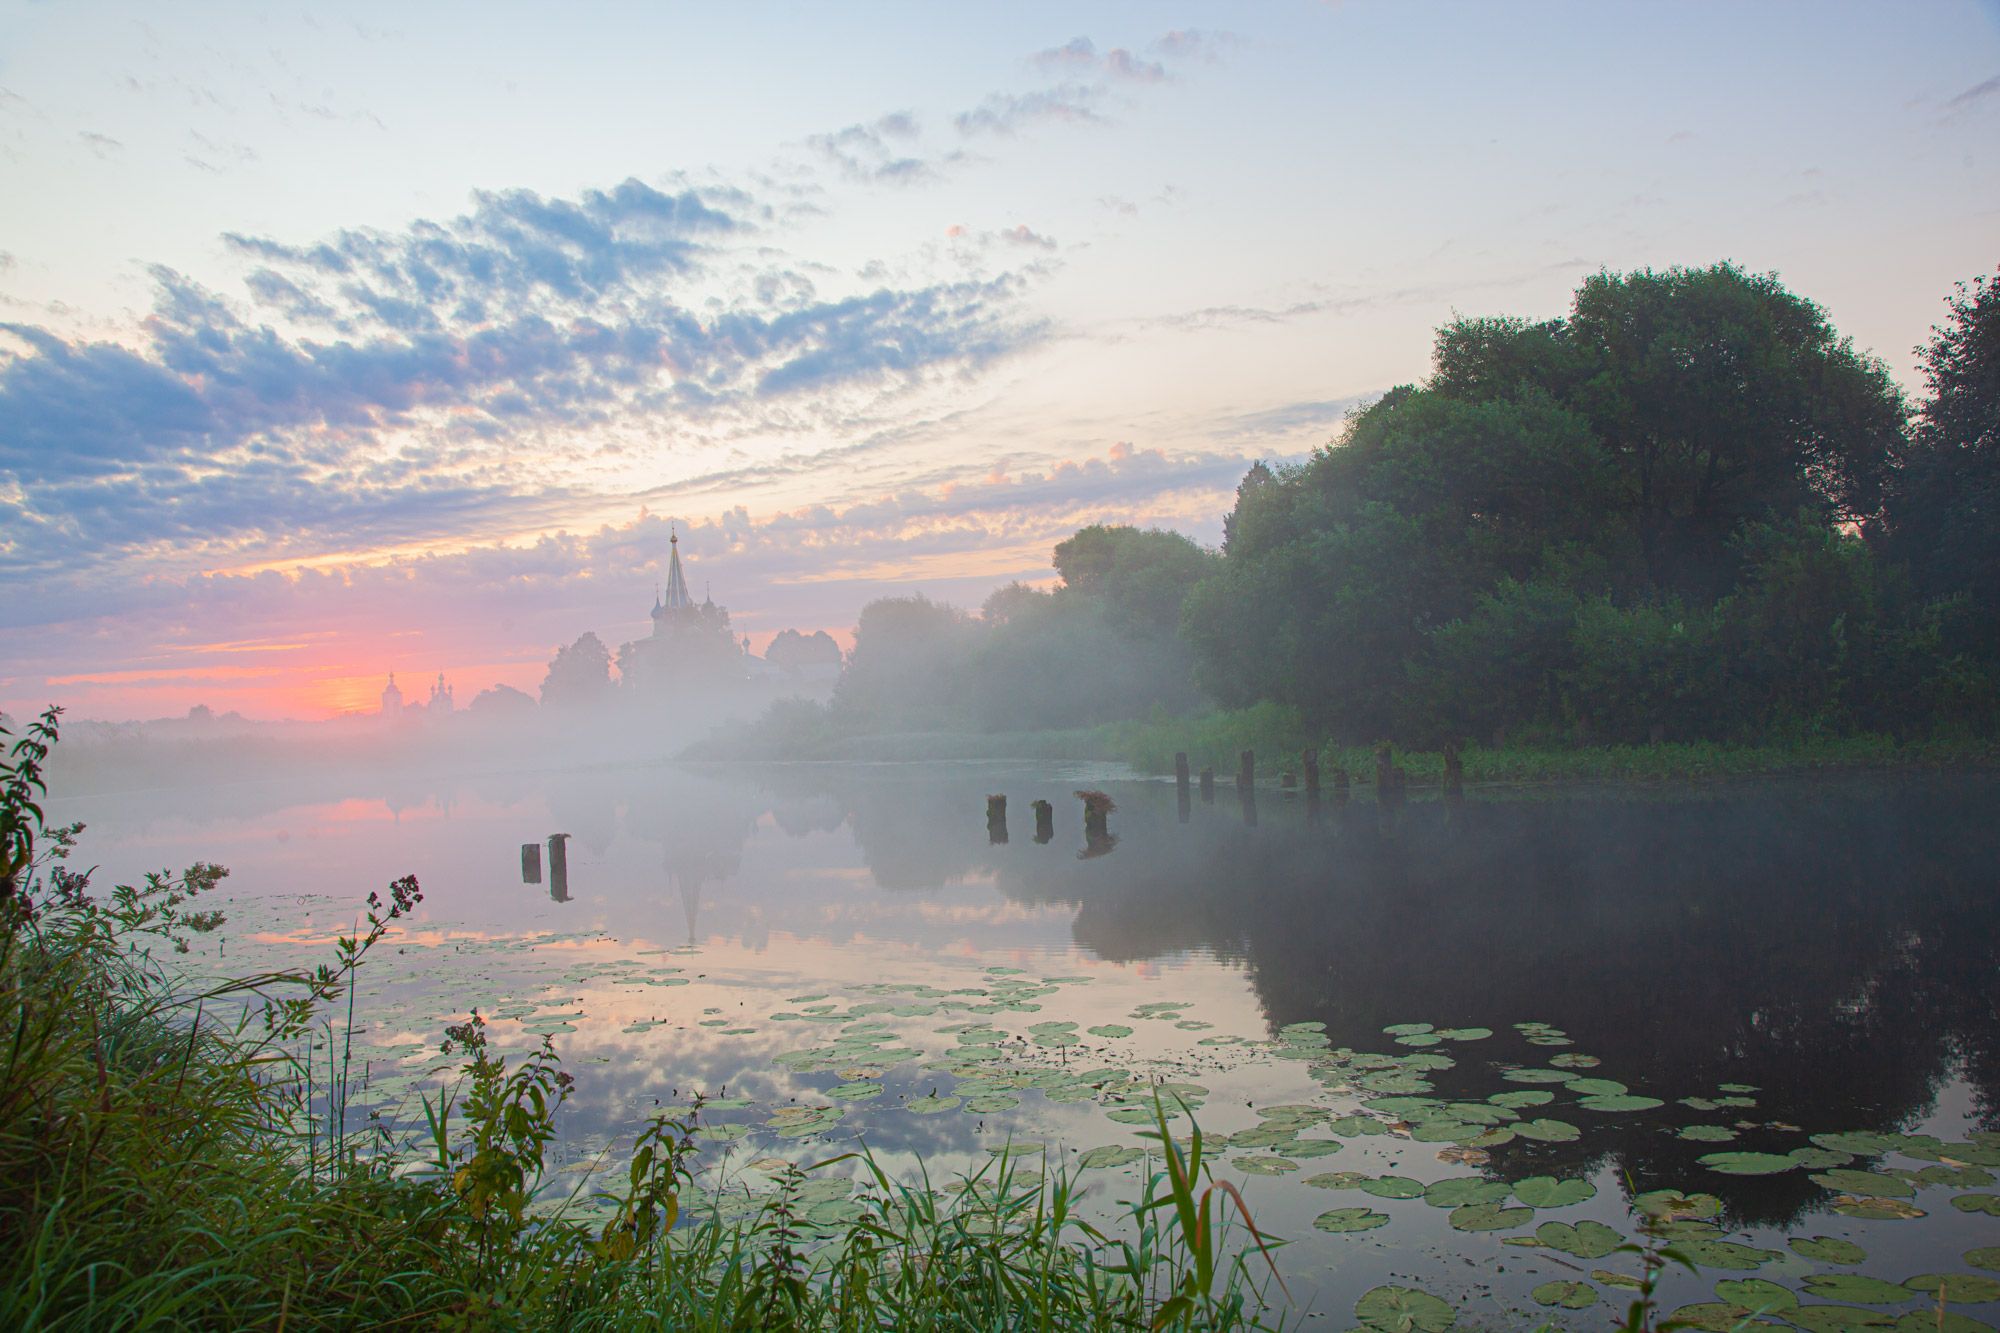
(1309, 764)
(1454, 772)
(531, 863)
(1208, 786)
(559, 867)
(1045, 821)
(1246, 769)
(1288, 779)
(1340, 784)
(1097, 808)
(996, 819)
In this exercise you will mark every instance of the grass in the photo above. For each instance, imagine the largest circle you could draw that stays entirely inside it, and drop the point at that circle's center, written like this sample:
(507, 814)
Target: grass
(178, 1155)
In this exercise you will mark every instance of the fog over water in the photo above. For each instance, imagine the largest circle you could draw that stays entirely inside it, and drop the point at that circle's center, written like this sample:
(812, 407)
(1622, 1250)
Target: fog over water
(1829, 943)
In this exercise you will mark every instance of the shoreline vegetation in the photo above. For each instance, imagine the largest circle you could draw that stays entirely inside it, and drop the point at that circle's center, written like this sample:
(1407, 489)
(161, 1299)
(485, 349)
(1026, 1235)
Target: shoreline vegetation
(1279, 736)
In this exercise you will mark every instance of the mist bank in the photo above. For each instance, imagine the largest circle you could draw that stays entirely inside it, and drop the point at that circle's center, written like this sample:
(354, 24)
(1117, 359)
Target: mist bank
(1689, 513)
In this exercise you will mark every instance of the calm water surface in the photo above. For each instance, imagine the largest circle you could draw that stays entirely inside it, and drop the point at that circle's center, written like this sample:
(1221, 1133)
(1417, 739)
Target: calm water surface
(846, 953)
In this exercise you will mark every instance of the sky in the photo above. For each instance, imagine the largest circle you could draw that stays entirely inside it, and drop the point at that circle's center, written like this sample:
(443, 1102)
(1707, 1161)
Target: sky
(348, 339)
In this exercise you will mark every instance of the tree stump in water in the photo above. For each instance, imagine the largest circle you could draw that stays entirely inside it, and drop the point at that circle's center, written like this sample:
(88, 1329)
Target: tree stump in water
(996, 819)
(1045, 821)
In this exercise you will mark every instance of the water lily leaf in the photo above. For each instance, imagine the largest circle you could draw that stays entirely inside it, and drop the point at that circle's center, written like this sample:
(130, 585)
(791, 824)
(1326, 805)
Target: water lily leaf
(1748, 1163)
(1819, 1159)
(1548, 1131)
(1958, 1288)
(1465, 1034)
(1866, 1183)
(1859, 1142)
(1706, 1133)
(1445, 1131)
(1549, 1192)
(1856, 1289)
(1394, 1187)
(1568, 1295)
(1725, 1254)
(1585, 1240)
(1951, 1321)
(1877, 1210)
(722, 1133)
(1524, 1098)
(1713, 1316)
(1574, 1060)
(1407, 1029)
(859, 1091)
(1111, 1030)
(986, 1103)
(1538, 1076)
(1110, 1155)
(1754, 1293)
(1986, 1256)
(1489, 1217)
(1341, 1220)
(1596, 1087)
(1674, 1206)
(1456, 1191)
(1264, 1166)
(931, 1105)
(1978, 1203)
(1621, 1102)
(1392, 1309)
(1339, 1180)
(1959, 1177)
(1828, 1250)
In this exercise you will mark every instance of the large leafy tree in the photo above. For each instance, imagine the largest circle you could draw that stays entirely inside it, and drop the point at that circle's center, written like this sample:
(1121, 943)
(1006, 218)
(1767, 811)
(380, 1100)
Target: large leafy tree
(1945, 519)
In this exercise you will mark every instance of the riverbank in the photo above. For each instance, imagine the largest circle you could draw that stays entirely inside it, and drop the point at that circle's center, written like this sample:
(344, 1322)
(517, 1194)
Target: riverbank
(1278, 737)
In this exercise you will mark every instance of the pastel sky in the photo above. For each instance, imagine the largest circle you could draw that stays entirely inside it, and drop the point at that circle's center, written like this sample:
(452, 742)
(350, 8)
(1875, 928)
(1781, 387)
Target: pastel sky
(365, 337)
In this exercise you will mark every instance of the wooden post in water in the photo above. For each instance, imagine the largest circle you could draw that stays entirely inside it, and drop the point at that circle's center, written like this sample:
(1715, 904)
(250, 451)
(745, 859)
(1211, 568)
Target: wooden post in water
(1208, 786)
(996, 820)
(1309, 763)
(1182, 805)
(559, 867)
(1454, 771)
(1340, 784)
(531, 863)
(1045, 821)
(1246, 772)
(1288, 779)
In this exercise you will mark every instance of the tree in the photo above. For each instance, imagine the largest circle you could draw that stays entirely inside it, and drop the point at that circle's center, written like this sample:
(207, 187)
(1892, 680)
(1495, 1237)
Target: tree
(790, 650)
(579, 675)
(1944, 519)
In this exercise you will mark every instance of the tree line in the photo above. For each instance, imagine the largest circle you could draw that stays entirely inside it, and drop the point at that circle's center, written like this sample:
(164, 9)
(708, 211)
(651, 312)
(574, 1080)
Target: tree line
(1689, 509)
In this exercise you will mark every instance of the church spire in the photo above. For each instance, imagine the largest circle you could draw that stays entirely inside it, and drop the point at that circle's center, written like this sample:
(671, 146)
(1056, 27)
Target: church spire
(677, 596)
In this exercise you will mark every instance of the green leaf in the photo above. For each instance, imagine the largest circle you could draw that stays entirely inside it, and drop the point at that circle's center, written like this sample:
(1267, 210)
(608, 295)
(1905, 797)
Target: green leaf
(1748, 1163)
(1568, 1295)
(1489, 1217)
(1725, 1254)
(1548, 1131)
(1394, 1187)
(1869, 1184)
(1585, 1240)
(1855, 1289)
(1754, 1293)
(1391, 1309)
(1978, 1203)
(1828, 1250)
(1958, 1288)
(1457, 1191)
(1343, 1220)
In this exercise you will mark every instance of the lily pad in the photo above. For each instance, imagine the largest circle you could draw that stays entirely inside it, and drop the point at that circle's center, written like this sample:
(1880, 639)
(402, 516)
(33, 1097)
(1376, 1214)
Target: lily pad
(1754, 1293)
(1568, 1295)
(1407, 1029)
(1111, 1030)
(1391, 1309)
(1465, 1034)
(1585, 1240)
(1110, 1155)
(1538, 1076)
(1706, 1133)
(1870, 1183)
(1859, 1142)
(1748, 1163)
(1550, 1192)
(1674, 1206)
(1978, 1203)
(1877, 1210)
(1596, 1087)
(1725, 1254)
(1837, 1318)
(1524, 1098)
(1548, 1131)
(1828, 1250)
(1855, 1289)
(930, 1105)
(1958, 1288)
(1624, 1101)
(1457, 1191)
(1339, 1180)
(1713, 1316)
(1394, 1187)
(1986, 1256)
(1343, 1220)
(859, 1091)
(1264, 1166)
(1489, 1217)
